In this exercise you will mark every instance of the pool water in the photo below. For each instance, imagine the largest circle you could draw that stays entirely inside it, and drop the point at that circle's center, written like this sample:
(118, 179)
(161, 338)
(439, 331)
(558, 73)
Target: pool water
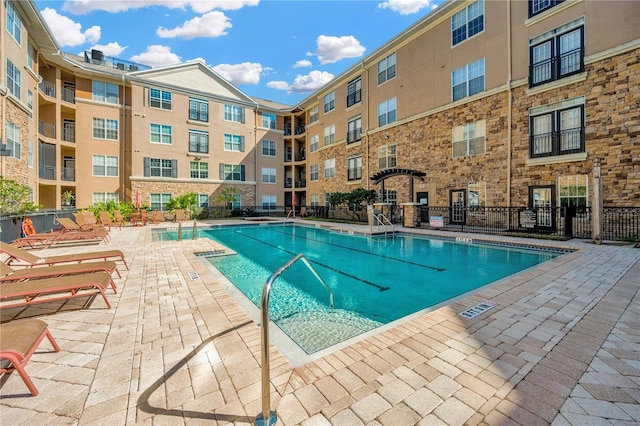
(375, 280)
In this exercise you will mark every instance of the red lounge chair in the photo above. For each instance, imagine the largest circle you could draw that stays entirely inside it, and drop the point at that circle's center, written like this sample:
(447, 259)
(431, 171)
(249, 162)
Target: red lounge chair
(18, 342)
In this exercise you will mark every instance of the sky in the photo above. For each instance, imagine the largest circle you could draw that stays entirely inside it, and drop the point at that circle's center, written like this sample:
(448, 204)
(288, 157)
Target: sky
(278, 50)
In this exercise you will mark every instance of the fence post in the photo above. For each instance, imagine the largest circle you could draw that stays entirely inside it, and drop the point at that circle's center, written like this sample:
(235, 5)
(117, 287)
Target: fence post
(597, 201)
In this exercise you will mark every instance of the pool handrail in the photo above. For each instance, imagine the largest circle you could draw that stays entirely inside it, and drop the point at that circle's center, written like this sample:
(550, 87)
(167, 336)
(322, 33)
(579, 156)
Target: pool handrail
(268, 417)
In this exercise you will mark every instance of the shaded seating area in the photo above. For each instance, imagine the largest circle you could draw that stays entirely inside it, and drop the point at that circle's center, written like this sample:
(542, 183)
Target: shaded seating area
(18, 342)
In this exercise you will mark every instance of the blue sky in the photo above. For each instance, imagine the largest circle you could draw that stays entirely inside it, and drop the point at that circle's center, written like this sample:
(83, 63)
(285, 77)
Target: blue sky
(280, 50)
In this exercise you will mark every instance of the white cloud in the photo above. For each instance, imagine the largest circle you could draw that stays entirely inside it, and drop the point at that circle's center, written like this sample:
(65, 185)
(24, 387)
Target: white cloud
(278, 85)
(332, 49)
(67, 32)
(244, 73)
(303, 83)
(157, 55)
(212, 24)
(81, 7)
(406, 7)
(111, 49)
(303, 63)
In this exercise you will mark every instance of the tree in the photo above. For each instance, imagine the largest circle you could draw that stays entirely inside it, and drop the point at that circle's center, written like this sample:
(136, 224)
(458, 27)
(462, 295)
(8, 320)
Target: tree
(353, 200)
(226, 197)
(14, 197)
(187, 202)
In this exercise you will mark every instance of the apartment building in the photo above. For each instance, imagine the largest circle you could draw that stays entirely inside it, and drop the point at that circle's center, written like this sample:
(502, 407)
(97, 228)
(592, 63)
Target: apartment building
(484, 104)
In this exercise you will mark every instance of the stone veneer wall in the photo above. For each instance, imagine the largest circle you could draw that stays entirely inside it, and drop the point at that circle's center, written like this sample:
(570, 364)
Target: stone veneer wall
(17, 169)
(246, 191)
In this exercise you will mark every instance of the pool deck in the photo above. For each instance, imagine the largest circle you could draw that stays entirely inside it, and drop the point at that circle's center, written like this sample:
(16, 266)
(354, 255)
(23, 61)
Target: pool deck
(561, 346)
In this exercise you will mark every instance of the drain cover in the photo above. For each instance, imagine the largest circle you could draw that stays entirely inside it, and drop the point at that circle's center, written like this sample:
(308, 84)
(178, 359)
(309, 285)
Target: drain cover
(193, 275)
(480, 308)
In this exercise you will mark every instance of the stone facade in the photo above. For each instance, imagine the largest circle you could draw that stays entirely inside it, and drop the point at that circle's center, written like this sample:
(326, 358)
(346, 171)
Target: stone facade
(17, 169)
(247, 191)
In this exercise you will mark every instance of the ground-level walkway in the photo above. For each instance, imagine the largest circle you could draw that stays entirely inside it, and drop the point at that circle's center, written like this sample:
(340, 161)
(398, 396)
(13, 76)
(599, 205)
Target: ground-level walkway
(561, 346)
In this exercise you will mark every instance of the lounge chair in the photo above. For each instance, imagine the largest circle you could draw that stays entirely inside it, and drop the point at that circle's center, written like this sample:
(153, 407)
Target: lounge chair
(88, 222)
(105, 220)
(180, 216)
(21, 257)
(8, 274)
(118, 219)
(156, 217)
(18, 342)
(82, 231)
(25, 293)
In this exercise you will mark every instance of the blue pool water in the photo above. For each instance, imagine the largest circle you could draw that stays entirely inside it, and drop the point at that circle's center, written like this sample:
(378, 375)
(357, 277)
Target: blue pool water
(375, 280)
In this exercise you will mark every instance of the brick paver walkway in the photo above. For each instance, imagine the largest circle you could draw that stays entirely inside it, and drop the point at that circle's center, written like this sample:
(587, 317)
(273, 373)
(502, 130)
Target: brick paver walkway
(561, 346)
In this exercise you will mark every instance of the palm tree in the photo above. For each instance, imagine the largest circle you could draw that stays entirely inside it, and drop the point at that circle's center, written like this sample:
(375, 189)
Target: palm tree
(226, 197)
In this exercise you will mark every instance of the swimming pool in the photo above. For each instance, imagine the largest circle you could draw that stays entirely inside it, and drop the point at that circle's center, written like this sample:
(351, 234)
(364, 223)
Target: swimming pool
(375, 280)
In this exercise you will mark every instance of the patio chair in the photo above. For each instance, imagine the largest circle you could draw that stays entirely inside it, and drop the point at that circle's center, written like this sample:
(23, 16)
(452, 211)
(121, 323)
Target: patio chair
(21, 257)
(118, 218)
(105, 220)
(87, 221)
(82, 232)
(180, 216)
(26, 293)
(9, 274)
(18, 342)
(156, 217)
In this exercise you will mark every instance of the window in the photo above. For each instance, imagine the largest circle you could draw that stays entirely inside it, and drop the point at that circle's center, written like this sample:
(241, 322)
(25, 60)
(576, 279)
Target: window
(232, 172)
(203, 201)
(387, 68)
(313, 114)
(234, 113)
(30, 103)
(14, 79)
(14, 23)
(354, 92)
(467, 23)
(557, 56)
(160, 133)
(198, 142)
(329, 101)
(104, 92)
(103, 197)
(237, 202)
(330, 168)
(538, 6)
(233, 143)
(31, 55)
(354, 168)
(14, 137)
(268, 175)
(268, 120)
(387, 112)
(468, 80)
(314, 172)
(354, 130)
(573, 190)
(387, 156)
(104, 128)
(198, 110)
(557, 129)
(160, 167)
(313, 143)
(477, 194)
(269, 202)
(268, 148)
(105, 165)
(30, 153)
(315, 200)
(159, 201)
(199, 170)
(329, 134)
(160, 99)
(469, 139)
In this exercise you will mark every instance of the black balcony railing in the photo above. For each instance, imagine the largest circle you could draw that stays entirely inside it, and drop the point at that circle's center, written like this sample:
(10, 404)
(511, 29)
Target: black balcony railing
(69, 132)
(47, 129)
(68, 174)
(69, 95)
(47, 172)
(48, 88)
(354, 98)
(354, 135)
(568, 141)
(557, 67)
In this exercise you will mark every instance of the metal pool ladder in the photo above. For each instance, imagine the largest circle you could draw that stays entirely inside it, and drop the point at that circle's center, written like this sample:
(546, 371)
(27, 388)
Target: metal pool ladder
(268, 417)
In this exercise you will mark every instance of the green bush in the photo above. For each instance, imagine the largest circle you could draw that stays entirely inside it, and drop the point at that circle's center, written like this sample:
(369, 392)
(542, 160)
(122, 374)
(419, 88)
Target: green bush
(14, 197)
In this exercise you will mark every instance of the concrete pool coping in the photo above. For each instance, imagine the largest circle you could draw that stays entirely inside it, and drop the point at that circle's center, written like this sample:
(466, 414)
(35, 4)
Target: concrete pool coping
(561, 346)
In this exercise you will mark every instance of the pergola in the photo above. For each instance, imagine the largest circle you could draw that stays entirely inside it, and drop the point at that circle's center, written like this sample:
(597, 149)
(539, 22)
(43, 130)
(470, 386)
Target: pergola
(387, 173)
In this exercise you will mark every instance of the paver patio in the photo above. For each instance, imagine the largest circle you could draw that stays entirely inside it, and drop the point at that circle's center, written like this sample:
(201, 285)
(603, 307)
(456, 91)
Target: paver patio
(561, 346)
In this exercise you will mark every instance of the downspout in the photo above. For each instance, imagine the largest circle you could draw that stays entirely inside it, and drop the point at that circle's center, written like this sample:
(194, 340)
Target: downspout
(255, 152)
(510, 113)
(366, 70)
(123, 145)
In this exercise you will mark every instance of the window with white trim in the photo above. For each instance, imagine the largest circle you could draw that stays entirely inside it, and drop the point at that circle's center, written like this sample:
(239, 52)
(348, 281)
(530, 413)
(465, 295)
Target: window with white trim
(386, 112)
(539, 6)
(314, 172)
(161, 99)
(387, 156)
(14, 79)
(329, 134)
(387, 68)
(233, 172)
(102, 91)
(315, 200)
(105, 165)
(469, 139)
(199, 170)
(13, 140)
(477, 196)
(160, 133)
(354, 168)
(30, 147)
(203, 201)
(198, 142)
(468, 80)
(269, 202)
(268, 148)
(573, 190)
(268, 120)
(198, 110)
(103, 197)
(268, 175)
(104, 128)
(468, 22)
(330, 168)
(233, 113)
(160, 167)
(233, 143)
(313, 114)
(314, 143)
(557, 129)
(30, 103)
(329, 101)
(14, 22)
(159, 201)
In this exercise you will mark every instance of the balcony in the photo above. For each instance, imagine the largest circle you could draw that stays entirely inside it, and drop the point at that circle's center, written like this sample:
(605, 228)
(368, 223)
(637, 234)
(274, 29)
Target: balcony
(301, 156)
(69, 132)
(301, 183)
(47, 129)
(568, 141)
(68, 174)
(48, 88)
(46, 172)
(69, 95)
